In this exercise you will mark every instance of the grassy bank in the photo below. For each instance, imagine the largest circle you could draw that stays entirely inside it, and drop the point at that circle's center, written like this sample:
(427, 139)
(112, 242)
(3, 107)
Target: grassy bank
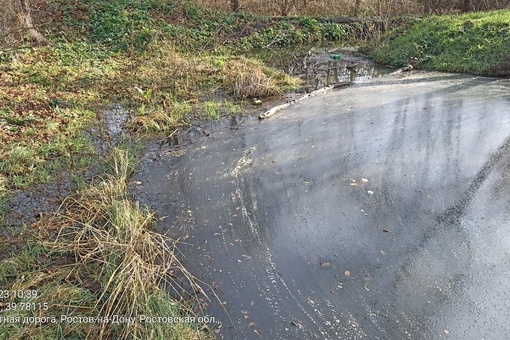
(477, 43)
(168, 63)
(107, 262)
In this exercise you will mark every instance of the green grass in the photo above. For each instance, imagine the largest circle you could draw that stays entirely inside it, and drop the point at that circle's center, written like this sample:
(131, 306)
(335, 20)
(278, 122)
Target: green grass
(211, 110)
(477, 43)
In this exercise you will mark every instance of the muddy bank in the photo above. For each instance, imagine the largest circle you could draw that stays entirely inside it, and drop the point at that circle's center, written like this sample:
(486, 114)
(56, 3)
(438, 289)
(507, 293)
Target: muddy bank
(24, 207)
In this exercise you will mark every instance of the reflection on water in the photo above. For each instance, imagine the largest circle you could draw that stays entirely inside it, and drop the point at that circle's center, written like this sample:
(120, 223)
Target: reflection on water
(317, 68)
(321, 70)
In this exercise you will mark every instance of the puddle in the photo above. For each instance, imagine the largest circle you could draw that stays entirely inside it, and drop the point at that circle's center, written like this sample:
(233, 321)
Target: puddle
(337, 67)
(198, 129)
(322, 67)
(115, 119)
(265, 209)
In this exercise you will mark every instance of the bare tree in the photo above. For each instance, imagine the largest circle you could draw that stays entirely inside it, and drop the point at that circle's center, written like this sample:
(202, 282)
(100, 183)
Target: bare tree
(16, 21)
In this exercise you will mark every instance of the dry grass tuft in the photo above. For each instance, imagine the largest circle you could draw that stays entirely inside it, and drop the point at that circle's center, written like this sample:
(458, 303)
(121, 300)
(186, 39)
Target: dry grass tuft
(246, 79)
(107, 260)
(106, 230)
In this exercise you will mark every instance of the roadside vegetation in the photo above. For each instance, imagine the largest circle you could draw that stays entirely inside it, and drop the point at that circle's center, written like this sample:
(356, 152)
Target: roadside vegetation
(475, 43)
(96, 267)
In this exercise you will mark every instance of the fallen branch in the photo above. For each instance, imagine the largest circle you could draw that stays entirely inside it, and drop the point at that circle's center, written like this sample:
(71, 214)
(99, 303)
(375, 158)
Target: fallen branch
(280, 107)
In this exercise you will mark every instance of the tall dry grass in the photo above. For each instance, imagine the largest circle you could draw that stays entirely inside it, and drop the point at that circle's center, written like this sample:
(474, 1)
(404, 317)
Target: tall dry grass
(246, 79)
(137, 265)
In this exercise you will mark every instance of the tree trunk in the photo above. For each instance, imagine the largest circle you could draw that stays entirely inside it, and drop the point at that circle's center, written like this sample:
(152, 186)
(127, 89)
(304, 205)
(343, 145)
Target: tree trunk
(357, 5)
(426, 7)
(466, 6)
(26, 20)
(477, 5)
(235, 5)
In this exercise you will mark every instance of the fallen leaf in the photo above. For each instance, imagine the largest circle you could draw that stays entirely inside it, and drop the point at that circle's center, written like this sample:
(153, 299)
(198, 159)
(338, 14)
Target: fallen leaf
(347, 273)
(246, 314)
(252, 324)
(257, 332)
(385, 230)
(370, 192)
(364, 180)
(296, 324)
(92, 286)
(383, 252)
(325, 263)
(353, 184)
(446, 331)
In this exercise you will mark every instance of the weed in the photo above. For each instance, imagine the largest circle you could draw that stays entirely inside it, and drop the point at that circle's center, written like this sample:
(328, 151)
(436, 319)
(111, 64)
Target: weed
(211, 110)
(232, 108)
(160, 120)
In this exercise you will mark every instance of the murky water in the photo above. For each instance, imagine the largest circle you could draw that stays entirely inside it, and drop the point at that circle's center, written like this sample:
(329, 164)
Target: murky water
(378, 211)
(188, 135)
(337, 67)
(115, 119)
(322, 67)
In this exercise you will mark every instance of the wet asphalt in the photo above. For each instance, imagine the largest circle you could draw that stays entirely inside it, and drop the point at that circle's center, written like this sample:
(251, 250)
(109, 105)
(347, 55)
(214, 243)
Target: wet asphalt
(378, 211)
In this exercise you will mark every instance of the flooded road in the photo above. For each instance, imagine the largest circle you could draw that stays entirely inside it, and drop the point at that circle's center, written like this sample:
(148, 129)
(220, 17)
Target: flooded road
(378, 211)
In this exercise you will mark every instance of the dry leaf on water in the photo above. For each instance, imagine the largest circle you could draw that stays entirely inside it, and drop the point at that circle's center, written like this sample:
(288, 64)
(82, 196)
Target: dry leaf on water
(296, 324)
